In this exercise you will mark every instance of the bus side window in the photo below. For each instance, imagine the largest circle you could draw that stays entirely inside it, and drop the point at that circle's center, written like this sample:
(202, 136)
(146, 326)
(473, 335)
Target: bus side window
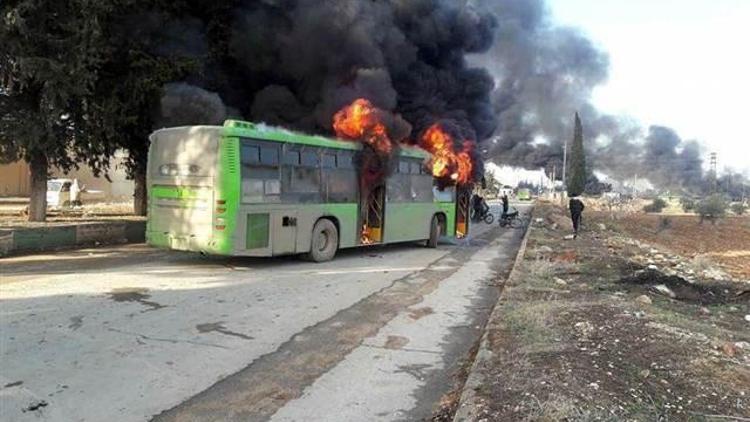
(344, 160)
(301, 182)
(403, 167)
(310, 159)
(291, 158)
(340, 178)
(269, 156)
(328, 161)
(260, 171)
(250, 154)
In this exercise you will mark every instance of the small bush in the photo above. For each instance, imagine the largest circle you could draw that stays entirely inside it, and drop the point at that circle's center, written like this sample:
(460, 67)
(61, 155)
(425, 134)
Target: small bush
(656, 206)
(712, 208)
(739, 208)
(665, 223)
(688, 204)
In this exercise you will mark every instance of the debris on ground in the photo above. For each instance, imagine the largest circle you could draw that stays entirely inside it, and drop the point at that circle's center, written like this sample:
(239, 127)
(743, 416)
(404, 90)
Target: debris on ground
(616, 326)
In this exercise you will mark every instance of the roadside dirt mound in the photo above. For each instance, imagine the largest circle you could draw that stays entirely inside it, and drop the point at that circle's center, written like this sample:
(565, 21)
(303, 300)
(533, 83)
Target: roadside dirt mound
(680, 289)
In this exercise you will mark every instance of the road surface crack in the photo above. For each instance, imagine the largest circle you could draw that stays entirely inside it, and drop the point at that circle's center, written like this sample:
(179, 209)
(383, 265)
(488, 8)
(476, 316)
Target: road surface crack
(167, 340)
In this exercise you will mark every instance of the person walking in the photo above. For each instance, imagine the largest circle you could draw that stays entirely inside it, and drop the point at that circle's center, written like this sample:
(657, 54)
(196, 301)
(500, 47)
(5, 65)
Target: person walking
(505, 205)
(576, 211)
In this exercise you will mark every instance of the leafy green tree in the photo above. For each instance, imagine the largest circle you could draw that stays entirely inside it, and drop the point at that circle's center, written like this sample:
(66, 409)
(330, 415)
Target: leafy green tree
(142, 55)
(656, 206)
(48, 60)
(577, 166)
(712, 208)
(688, 203)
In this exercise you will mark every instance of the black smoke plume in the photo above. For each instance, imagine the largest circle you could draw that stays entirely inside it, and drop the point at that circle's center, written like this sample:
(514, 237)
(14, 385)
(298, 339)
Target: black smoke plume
(545, 73)
(183, 104)
(295, 63)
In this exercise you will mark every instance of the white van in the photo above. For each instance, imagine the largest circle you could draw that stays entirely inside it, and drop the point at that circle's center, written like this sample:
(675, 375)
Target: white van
(59, 193)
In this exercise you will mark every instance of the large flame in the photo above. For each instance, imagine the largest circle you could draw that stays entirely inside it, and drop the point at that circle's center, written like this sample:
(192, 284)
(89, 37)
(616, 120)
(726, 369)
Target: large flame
(447, 162)
(362, 121)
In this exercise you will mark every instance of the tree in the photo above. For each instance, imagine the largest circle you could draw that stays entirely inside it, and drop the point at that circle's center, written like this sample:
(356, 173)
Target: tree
(47, 66)
(712, 207)
(577, 166)
(142, 55)
(656, 206)
(688, 203)
(739, 208)
(492, 185)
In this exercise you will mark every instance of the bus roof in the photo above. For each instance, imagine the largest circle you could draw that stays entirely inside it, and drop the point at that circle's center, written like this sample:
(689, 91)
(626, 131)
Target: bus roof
(270, 133)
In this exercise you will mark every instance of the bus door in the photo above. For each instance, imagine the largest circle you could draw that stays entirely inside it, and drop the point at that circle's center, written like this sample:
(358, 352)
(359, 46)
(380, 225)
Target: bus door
(372, 216)
(463, 207)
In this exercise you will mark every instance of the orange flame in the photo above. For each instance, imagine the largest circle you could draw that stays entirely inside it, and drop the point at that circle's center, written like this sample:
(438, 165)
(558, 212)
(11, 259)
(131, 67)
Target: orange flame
(365, 239)
(446, 162)
(361, 121)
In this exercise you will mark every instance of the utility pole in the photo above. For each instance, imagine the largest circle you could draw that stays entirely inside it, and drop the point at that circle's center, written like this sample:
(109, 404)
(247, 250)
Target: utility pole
(565, 164)
(554, 174)
(714, 175)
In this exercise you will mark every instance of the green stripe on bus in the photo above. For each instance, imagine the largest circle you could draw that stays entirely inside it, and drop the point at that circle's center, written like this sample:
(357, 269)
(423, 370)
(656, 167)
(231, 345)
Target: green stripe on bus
(228, 190)
(177, 192)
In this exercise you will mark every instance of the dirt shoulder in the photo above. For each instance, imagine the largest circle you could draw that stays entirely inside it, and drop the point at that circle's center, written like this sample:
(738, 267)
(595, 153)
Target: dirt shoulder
(13, 216)
(586, 330)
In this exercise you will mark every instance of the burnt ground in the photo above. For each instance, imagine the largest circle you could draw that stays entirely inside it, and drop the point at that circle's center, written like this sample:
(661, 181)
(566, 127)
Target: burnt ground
(582, 333)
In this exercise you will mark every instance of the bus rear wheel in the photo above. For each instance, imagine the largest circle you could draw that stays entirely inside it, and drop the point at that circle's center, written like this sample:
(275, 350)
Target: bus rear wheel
(432, 242)
(324, 242)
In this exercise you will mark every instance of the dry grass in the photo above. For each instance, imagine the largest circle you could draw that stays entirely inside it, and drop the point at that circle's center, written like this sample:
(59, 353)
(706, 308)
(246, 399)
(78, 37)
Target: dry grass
(582, 349)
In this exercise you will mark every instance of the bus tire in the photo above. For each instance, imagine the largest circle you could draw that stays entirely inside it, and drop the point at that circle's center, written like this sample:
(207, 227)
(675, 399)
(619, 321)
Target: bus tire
(432, 242)
(324, 242)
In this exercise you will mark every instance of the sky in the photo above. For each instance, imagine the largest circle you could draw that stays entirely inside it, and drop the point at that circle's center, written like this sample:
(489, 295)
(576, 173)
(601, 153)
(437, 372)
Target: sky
(678, 63)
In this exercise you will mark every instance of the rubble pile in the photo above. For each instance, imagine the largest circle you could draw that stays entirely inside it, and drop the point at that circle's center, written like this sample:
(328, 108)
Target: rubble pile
(668, 263)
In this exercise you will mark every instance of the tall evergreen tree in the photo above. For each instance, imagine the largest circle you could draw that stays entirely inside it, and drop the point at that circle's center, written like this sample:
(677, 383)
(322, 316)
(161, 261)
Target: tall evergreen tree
(48, 64)
(577, 164)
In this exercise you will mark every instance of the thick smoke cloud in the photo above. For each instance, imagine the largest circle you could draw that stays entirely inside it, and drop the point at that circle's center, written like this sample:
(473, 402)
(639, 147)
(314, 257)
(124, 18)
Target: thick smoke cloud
(498, 72)
(183, 104)
(544, 74)
(673, 163)
(295, 63)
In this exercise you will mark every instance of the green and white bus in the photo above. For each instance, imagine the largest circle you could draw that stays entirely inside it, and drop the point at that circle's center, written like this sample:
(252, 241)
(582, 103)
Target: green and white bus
(252, 190)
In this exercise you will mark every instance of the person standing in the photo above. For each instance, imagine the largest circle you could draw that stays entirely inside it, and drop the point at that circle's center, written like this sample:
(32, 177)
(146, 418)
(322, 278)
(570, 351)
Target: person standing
(75, 193)
(576, 211)
(505, 205)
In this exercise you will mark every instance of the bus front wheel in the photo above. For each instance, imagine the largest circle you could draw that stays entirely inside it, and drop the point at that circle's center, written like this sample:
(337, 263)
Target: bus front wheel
(325, 241)
(432, 242)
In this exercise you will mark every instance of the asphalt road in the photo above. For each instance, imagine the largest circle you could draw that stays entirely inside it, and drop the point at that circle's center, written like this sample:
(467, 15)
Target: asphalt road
(133, 334)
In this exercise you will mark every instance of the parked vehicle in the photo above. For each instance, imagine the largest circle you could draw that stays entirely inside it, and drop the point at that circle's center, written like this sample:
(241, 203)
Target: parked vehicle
(523, 195)
(62, 193)
(249, 190)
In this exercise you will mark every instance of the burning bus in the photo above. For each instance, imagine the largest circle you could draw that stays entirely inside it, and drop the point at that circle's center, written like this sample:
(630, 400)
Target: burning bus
(253, 190)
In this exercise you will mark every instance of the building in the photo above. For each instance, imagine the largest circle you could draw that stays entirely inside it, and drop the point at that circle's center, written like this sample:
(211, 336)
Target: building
(15, 179)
